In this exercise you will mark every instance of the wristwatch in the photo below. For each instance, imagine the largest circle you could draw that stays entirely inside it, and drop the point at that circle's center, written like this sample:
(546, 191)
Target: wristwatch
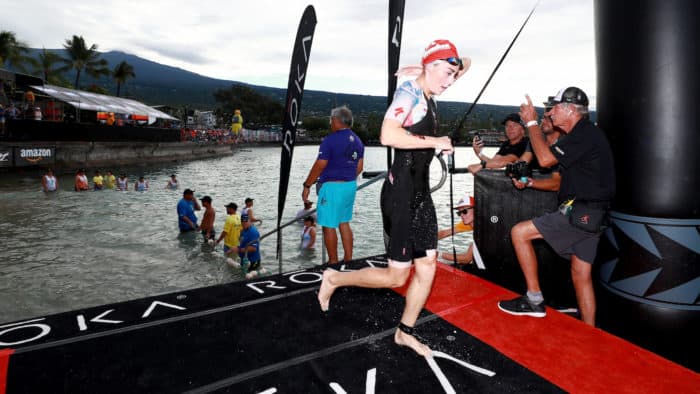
(483, 164)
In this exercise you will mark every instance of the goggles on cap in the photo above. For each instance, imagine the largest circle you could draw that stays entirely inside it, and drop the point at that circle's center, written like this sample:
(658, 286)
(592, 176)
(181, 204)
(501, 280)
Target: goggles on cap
(455, 61)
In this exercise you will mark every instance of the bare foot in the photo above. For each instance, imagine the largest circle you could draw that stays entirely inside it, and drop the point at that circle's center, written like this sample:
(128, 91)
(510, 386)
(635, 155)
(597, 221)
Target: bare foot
(326, 290)
(403, 339)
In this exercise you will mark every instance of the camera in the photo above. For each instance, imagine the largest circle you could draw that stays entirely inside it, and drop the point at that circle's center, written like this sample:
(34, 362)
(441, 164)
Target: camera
(477, 136)
(518, 170)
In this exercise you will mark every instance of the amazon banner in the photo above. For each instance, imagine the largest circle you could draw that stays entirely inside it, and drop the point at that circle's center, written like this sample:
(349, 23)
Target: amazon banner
(295, 92)
(34, 156)
(5, 156)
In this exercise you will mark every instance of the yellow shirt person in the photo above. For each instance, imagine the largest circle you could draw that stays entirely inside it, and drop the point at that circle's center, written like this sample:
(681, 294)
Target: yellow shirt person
(98, 180)
(110, 180)
(232, 228)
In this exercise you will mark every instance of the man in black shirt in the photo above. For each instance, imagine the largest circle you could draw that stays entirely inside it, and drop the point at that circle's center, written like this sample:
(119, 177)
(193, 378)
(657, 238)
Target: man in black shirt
(508, 152)
(551, 136)
(587, 186)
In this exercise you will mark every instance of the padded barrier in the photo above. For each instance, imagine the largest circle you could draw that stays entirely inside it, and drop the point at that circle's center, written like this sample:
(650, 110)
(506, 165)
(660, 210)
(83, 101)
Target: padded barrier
(499, 206)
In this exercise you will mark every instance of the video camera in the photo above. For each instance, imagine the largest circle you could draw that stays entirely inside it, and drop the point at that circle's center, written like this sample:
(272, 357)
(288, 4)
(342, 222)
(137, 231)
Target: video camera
(518, 170)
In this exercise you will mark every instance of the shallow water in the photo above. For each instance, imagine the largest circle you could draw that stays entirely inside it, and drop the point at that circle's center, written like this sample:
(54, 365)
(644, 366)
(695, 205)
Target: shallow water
(66, 250)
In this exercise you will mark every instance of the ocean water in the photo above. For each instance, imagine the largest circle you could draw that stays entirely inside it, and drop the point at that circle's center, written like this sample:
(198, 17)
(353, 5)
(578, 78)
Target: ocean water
(67, 250)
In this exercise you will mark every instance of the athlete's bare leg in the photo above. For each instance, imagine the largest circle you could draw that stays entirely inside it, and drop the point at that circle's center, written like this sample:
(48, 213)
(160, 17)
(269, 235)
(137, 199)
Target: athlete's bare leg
(367, 277)
(416, 296)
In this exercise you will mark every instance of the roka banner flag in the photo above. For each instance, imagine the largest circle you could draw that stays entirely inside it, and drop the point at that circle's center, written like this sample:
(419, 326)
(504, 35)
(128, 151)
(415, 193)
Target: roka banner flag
(396, 8)
(295, 92)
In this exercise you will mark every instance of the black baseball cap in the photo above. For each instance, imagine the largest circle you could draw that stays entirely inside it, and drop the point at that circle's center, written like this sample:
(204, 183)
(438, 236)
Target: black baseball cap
(206, 199)
(188, 191)
(232, 205)
(247, 200)
(514, 117)
(571, 95)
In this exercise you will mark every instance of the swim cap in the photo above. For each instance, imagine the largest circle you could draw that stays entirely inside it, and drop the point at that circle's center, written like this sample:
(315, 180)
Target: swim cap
(439, 49)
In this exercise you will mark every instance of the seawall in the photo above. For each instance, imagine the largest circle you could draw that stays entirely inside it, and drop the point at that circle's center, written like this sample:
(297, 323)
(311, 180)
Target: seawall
(69, 155)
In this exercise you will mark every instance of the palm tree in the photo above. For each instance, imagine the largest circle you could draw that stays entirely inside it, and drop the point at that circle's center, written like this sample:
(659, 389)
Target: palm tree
(12, 52)
(121, 73)
(80, 58)
(45, 67)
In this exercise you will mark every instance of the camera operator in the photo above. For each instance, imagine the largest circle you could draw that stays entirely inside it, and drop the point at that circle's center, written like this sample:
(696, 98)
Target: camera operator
(508, 152)
(551, 136)
(587, 187)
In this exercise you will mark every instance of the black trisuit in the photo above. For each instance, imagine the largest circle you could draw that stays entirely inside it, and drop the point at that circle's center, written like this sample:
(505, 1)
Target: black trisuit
(408, 213)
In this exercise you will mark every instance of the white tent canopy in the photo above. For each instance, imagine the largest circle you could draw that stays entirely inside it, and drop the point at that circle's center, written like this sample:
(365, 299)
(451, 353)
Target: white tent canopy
(99, 102)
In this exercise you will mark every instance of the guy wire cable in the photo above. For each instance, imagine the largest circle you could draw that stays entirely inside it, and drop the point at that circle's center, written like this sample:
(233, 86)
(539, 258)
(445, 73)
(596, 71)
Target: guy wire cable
(464, 118)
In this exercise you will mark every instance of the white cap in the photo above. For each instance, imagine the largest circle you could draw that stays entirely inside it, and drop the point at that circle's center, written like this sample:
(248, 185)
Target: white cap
(466, 201)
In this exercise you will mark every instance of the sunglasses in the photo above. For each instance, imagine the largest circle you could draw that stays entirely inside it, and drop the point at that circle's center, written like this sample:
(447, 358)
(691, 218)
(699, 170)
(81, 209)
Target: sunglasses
(455, 61)
(463, 211)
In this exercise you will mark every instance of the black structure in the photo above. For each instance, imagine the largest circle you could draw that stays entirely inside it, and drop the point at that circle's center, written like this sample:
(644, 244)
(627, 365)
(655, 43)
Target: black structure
(499, 206)
(647, 81)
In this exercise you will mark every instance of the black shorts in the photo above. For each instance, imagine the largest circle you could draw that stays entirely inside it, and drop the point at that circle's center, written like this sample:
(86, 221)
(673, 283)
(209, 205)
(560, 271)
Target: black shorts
(410, 222)
(566, 239)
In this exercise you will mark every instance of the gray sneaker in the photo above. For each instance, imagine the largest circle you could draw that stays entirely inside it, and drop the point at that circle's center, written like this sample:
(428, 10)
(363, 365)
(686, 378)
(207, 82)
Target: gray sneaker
(522, 306)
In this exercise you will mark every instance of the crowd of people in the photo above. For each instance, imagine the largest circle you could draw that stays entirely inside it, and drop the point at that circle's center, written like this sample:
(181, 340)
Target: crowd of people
(220, 136)
(240, 236)
(49, 182)
(571, 151)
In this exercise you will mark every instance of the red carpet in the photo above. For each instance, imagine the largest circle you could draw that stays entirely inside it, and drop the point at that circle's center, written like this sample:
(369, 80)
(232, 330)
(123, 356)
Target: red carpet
(563, 350)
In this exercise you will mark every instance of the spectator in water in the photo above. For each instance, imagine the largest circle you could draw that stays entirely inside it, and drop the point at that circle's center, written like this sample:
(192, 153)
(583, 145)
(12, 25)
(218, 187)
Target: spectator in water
(49, 183)
(207, 225)
(110, 180)
(232, 229)
(98, 180)
(81, 181)
(141, 185)
(248, 210)
(187, 220)
(249, 248)
(308, 233)
(122, 183)
(306, 211)
(172, 183)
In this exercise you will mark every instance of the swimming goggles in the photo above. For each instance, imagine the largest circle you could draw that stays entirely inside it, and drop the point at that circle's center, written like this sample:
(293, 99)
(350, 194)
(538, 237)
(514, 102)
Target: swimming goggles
(455, 61)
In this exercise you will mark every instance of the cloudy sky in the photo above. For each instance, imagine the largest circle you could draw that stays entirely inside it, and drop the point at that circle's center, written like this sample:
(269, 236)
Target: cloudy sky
(251, 41)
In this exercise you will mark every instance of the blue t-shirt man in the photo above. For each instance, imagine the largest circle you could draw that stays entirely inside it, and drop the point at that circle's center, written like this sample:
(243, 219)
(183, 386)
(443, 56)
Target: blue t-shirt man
(185, 209)
(342, 149)
(250, 237)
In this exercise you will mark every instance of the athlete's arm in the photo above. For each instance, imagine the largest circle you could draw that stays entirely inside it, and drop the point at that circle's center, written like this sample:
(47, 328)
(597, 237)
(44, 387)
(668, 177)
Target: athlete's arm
(394, 135)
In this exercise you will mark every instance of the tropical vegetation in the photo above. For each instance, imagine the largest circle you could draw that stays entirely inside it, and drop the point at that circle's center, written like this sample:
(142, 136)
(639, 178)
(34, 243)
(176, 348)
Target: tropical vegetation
(81, 58)
(12, 51)
(121, 73)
